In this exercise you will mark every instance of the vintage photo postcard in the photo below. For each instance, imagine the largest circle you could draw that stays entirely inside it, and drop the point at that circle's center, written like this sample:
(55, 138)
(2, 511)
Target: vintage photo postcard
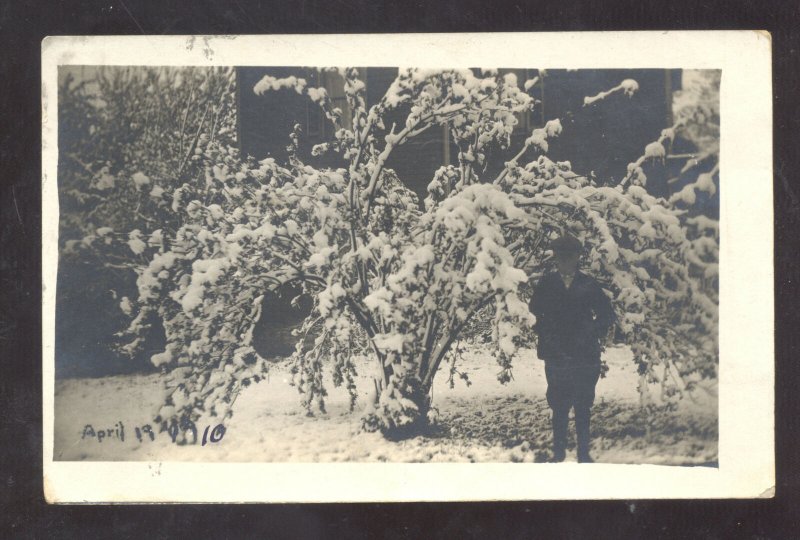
(410, 267)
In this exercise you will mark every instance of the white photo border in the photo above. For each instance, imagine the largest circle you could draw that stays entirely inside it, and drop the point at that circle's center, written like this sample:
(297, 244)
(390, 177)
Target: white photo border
(746, 383)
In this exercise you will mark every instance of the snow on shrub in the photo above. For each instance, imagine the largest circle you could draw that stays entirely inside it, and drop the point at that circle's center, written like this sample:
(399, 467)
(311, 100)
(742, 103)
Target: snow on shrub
(397, 283)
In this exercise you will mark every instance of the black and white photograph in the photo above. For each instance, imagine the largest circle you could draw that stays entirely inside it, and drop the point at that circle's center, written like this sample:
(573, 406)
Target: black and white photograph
(325, 263)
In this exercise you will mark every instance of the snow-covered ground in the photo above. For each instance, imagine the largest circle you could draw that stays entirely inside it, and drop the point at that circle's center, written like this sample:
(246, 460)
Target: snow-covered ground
(484, 422)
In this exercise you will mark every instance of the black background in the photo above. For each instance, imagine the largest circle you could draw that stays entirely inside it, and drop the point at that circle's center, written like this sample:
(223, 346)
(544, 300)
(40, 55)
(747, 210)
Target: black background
(24, 513)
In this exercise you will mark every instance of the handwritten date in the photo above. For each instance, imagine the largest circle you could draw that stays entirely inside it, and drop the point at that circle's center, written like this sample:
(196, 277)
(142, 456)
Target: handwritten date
(146, 432)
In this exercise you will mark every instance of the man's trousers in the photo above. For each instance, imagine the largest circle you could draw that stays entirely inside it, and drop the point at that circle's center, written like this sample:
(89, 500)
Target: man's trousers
(571, 384)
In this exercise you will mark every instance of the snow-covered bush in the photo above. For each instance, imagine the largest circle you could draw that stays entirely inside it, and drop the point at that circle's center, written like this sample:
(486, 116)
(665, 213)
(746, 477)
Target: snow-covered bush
(397, 282)
(127, 137)
(697, 119)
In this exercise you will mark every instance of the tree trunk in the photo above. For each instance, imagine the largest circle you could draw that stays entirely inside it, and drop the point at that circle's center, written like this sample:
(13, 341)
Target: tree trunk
(400, 409)
(420, 422)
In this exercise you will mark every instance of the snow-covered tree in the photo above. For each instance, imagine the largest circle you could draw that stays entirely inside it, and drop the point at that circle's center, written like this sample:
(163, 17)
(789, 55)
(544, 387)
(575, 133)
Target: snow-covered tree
(696, 111)
(397, 281)
(127, 137)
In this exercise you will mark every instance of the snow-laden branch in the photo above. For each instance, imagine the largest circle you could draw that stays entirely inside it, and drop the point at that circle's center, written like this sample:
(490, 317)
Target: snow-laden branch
(653, 151)
(704, 182)
(628, 87)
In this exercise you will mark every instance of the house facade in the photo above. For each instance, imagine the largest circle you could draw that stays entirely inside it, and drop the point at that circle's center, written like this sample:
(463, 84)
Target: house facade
(600, 139)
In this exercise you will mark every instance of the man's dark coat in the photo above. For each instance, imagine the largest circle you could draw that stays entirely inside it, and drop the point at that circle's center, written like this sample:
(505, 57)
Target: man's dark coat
(570, 322)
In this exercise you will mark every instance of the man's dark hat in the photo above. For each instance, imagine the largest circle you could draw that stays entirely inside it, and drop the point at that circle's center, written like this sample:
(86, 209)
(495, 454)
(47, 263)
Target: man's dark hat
(566, 244)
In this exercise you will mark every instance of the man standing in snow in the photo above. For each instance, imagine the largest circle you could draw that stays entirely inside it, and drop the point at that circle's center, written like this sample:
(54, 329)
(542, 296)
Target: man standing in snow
(573, 315)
